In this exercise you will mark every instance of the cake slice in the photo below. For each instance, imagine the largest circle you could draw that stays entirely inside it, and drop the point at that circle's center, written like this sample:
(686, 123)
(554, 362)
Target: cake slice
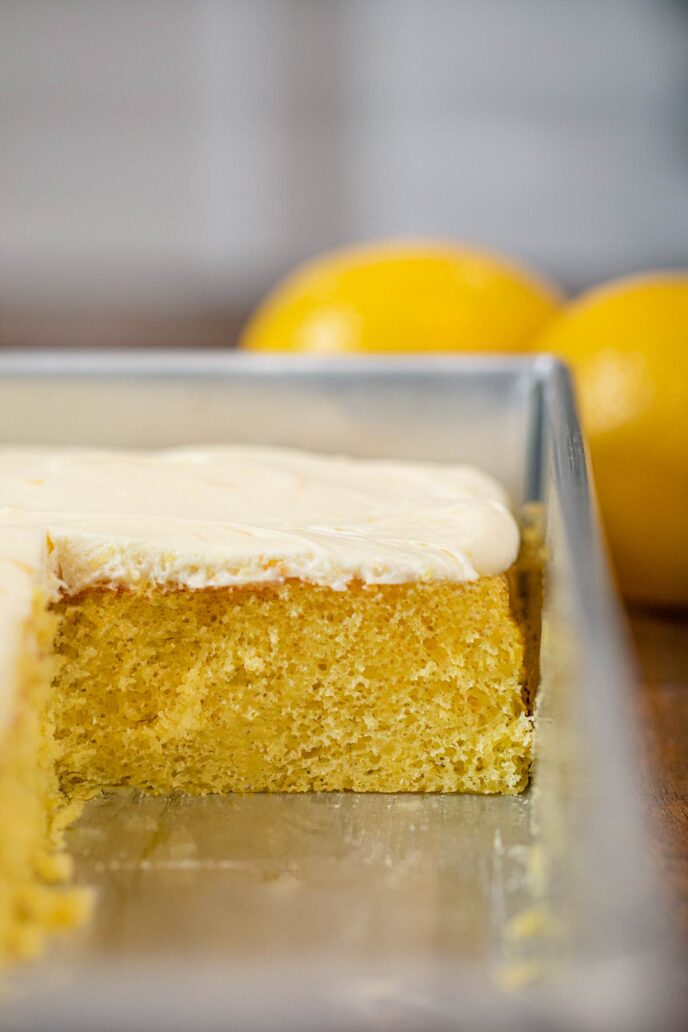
(253, 619)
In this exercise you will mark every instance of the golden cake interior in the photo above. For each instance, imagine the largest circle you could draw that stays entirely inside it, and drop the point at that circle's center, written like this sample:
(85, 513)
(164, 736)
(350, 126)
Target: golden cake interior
(419, 687)
(296, 688)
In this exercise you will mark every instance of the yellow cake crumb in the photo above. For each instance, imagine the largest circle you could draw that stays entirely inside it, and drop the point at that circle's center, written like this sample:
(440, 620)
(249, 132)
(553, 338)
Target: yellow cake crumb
(386, 688)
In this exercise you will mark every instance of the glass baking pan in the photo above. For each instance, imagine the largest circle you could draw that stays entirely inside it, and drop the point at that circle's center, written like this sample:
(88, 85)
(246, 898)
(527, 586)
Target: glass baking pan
(352, 912)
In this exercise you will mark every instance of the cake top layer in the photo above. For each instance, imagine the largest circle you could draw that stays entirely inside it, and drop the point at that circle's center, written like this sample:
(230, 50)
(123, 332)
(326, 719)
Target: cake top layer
(220, 516)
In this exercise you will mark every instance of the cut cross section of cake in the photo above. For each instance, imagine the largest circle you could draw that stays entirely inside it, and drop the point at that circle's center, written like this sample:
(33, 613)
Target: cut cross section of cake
(250, 619)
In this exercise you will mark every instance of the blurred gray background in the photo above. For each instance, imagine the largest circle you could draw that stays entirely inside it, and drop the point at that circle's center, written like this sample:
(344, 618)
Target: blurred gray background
(162, 161)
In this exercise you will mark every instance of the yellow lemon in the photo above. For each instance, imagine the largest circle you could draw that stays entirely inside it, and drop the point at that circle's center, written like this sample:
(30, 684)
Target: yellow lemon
(403, 296)
(627, 343)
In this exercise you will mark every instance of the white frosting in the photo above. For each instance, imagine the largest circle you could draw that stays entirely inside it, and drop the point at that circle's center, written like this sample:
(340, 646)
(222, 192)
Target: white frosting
(218, 516)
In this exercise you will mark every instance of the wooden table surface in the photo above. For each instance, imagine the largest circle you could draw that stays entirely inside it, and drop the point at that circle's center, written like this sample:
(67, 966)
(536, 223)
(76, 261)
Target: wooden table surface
(662, 651)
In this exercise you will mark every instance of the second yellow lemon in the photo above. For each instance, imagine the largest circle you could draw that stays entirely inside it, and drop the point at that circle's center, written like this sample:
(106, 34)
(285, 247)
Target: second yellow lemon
(627, 343)
(416, 296)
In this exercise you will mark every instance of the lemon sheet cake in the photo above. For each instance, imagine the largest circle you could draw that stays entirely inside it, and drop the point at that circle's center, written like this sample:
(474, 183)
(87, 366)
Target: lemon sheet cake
(247, 619)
